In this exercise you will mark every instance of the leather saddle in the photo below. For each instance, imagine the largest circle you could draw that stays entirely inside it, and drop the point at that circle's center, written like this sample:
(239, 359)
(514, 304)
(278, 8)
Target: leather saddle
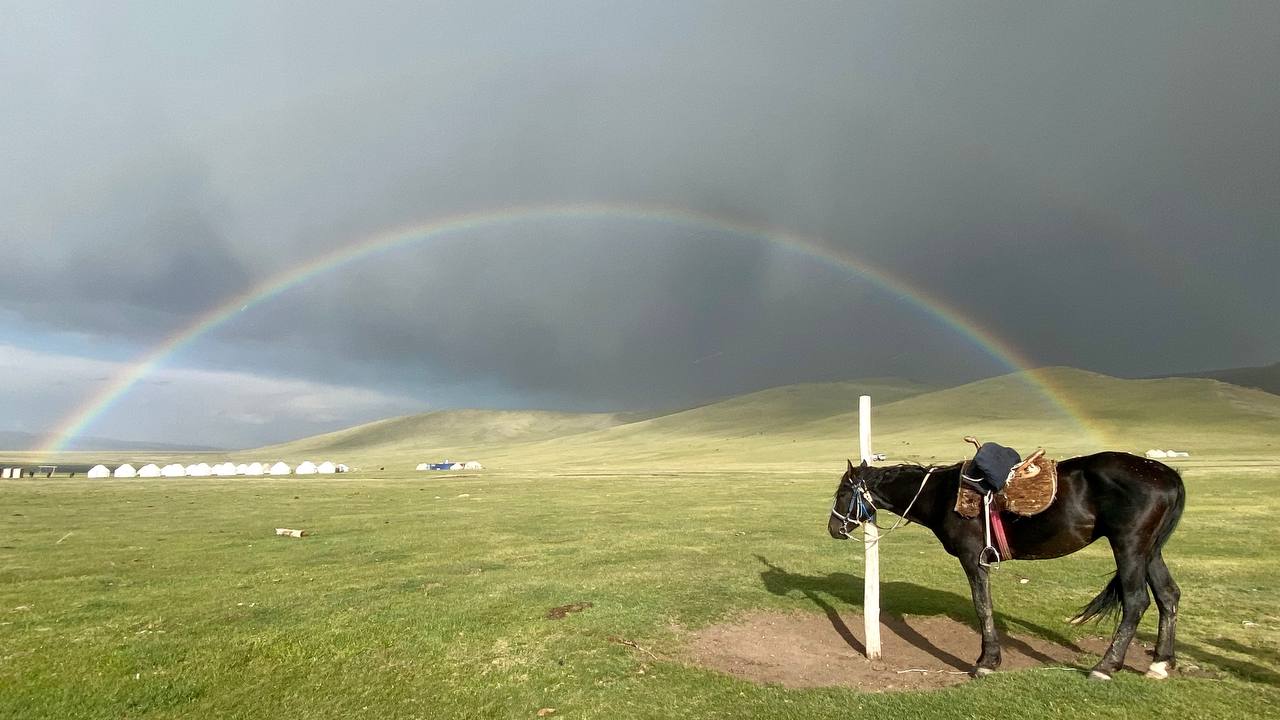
(1029, 489)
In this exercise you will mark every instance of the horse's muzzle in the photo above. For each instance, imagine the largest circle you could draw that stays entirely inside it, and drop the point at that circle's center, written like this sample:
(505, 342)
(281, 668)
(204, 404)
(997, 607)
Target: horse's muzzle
(838, 528)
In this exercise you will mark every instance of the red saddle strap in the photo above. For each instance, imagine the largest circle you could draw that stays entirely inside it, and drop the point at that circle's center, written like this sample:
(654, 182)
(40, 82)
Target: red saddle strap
(997, 529)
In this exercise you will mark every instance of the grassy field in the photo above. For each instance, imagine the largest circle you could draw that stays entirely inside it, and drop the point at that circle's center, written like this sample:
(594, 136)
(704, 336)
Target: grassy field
(425, 596)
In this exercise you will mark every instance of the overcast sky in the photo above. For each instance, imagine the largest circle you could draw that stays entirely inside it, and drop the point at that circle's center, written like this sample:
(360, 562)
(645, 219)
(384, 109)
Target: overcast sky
(1096, 183)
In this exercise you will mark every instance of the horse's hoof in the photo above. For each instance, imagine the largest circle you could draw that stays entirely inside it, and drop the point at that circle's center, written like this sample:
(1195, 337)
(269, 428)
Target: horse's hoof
(982, 672)
(1099, 675)
(1158, 670)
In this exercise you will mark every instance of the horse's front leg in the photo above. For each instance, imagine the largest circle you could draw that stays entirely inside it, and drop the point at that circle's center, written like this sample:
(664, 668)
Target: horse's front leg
(979, 586)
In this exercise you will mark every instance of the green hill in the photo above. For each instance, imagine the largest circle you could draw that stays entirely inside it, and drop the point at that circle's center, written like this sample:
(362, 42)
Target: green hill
(1200, 416)
(1266, 378)
(815, 425)
(428, 434)
(465, 434)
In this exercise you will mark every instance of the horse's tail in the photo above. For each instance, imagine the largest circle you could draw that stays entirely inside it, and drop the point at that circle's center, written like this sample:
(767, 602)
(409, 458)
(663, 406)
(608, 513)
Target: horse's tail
(1108, 601)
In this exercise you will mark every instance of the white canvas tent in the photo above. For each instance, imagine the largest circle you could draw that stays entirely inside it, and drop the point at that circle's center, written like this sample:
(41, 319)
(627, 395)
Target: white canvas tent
(279, 469)
(226, 469)
(423, 466)
(174, 470)
(149, 470)
(199, 470)
(125, 471)
(343, 468)
(473, 465)
(456, 466)
(242, 469)
(253, 468)
(306, 467)
(326, 468)
(99, 471)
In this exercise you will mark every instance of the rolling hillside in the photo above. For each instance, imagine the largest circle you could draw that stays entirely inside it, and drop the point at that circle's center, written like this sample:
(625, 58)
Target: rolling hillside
(1266, 378)
(427, 433)
(812, 426)
(815, 425)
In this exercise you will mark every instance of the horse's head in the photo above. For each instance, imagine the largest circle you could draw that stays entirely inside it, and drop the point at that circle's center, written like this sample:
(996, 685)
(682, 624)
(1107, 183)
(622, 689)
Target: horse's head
(852, 505)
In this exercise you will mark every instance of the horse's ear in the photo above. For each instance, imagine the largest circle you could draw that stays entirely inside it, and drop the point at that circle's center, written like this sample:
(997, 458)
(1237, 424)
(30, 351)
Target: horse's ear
(850, 464)
(864, 465)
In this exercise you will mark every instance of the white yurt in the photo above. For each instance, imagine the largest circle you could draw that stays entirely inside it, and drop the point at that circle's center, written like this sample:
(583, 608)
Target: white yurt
(199, 470)
(306, 467)
(125, 471)
(343, 468)
(1157, 454)
(473, 465)
(149, 470)
(423, 466)
(242, 469)
(225, 469)
(99, 471)
(279, 469)
(174, 470)
(253, 468)
(326, 468)
(456, 466)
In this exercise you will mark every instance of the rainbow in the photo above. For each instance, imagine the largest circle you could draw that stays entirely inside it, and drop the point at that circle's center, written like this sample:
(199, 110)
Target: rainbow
(99, 403)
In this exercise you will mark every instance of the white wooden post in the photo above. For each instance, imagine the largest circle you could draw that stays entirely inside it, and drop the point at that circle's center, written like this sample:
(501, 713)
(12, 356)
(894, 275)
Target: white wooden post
(870, 545)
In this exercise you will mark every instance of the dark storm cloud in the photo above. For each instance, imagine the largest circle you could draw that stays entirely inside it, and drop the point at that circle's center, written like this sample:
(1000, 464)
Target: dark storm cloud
(1095, 183)
(137, 259)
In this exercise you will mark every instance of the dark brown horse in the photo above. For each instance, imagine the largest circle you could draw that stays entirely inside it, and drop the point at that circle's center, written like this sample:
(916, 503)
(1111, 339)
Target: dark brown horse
(1133, 502)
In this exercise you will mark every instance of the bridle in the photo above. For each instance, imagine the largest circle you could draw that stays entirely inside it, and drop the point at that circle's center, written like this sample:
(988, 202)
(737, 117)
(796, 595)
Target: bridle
(862, 508)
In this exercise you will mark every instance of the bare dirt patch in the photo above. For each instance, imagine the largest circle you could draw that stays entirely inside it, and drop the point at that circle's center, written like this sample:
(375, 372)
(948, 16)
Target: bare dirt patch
(558, 613)
(919, 653)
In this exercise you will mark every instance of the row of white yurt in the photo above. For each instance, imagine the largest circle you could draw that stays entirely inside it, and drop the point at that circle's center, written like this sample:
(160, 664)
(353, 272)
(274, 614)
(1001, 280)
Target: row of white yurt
(224, 469)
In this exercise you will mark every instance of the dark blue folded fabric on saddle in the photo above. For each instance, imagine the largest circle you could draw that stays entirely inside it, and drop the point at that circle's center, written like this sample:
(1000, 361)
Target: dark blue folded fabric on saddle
(994, 463)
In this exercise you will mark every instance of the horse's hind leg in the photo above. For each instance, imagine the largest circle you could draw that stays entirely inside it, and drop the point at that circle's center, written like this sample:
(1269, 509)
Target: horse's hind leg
(1131, 570)
(1167, 594)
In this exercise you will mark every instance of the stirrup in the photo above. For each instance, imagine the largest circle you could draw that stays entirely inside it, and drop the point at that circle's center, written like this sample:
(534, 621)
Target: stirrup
(992, 553)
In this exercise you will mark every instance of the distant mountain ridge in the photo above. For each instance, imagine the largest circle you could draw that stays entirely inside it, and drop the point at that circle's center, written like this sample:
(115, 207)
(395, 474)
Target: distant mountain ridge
(17, 441)
(815, 424)
(1265, 378)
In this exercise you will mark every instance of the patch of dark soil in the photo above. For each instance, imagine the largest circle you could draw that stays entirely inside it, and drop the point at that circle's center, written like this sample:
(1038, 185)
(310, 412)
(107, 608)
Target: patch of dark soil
(919, 653)
(558, 613)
